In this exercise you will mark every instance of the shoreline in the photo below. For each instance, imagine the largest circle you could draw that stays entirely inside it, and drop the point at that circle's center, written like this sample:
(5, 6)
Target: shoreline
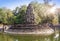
(43, 32)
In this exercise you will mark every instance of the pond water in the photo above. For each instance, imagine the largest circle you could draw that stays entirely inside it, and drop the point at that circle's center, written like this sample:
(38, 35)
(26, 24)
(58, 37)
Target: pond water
(11, 37)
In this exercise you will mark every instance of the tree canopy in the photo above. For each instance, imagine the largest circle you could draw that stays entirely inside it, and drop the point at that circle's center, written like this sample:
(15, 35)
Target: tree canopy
(39, 10)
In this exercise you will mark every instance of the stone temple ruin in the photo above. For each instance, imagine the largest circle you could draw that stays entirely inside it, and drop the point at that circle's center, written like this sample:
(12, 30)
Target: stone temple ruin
(29, 15)
(30, 26)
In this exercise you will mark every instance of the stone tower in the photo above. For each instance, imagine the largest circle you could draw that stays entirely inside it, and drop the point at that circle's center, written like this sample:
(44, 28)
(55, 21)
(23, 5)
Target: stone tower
(29, 15)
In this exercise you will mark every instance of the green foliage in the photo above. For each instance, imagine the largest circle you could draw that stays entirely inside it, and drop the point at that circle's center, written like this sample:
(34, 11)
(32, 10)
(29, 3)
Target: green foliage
(16, 11)
(20, 18)
(55, 20)
(59, 17)
(42, 15)
(18, 15)
(39, 12)
(6, 16)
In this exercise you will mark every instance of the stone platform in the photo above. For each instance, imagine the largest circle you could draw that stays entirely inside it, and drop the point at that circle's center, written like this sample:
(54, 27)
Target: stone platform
(30, 29)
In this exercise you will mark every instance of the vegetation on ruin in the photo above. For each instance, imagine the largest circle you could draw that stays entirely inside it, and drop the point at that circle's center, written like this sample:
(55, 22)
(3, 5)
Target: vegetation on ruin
(17, 15)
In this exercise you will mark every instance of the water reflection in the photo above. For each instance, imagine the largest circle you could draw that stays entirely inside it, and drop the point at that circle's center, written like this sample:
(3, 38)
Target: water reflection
(8, 37)
(16, 40)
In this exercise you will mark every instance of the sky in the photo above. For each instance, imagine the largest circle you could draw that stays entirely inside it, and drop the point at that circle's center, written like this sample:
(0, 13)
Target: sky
(11, 4)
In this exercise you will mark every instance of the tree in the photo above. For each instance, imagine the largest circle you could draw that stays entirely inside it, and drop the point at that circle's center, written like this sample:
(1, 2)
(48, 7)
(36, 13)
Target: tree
(35, 13)
(39, 12)
(16, 11)
(20, 18)
(1, 15)
(55, 20)
(10, 16)
(6, 16)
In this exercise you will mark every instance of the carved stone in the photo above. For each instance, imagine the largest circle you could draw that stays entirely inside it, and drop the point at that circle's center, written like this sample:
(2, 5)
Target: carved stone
(29, 15)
